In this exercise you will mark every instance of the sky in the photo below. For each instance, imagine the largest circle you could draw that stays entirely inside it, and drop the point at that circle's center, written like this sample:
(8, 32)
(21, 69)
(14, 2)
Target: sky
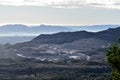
(60, 12)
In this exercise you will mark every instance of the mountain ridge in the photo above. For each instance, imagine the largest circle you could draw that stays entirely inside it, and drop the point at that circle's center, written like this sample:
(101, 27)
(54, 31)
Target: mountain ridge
(21, 28)
(18, 28)
(69, 37)
(111, 35)
(9, 33)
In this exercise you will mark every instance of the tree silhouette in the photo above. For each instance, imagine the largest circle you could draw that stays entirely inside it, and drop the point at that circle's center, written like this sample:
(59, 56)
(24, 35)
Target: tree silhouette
(113, 59)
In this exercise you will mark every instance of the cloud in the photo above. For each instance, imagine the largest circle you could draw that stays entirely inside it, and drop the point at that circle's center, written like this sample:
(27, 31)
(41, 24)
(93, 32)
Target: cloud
(115, 4)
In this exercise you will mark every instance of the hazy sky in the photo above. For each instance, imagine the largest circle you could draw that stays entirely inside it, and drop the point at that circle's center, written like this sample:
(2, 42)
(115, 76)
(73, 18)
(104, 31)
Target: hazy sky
(60, 12)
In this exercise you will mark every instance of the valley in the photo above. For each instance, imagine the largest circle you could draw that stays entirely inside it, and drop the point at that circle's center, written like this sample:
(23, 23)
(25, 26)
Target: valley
(74, 55)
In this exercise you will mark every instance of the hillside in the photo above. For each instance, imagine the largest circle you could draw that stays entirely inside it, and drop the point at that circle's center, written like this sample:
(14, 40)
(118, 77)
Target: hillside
(81, 45)
(109, 35)
(79, 53)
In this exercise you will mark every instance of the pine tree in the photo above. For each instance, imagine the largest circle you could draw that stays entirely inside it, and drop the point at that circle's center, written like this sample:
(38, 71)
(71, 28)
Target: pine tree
(113, 59)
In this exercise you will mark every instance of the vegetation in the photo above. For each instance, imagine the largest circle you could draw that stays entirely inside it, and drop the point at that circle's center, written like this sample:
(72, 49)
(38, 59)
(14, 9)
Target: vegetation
(35, 70)
(32, 69)
(113, 59)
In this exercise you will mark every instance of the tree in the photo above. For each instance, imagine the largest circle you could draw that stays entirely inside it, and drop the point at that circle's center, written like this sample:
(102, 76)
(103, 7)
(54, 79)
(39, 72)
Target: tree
(113, 59)
(119, 40)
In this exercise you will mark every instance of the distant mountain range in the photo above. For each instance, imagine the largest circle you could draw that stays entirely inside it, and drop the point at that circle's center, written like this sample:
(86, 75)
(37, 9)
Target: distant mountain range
(46, 29)
(93, 28)
(21, 33)
(23, 29)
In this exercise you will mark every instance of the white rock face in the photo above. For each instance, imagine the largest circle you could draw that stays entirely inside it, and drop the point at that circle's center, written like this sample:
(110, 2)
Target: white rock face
(74, 57)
